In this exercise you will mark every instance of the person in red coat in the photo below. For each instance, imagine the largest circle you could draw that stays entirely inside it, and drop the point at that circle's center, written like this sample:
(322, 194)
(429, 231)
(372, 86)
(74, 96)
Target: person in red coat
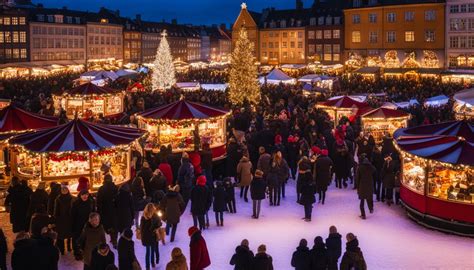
(195, 159)
(167, 171)
(198, 250)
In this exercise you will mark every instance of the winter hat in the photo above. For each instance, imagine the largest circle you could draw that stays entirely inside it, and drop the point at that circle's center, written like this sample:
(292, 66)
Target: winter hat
(350, 237)
(201, 180)
(108, 177)
(83, 183)
(316, 150)
(258, 173)
(262, 249)
(303, 243)
(192, 230)
(291, 139)
(128, 233)
(157, 171)
(278, 139)
(83, 192)
(324, 152)
(244, 242)
(176, 253)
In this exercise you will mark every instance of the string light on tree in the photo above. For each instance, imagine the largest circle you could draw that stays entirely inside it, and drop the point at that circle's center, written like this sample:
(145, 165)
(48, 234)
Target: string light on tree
(243, 84)
(163, 72)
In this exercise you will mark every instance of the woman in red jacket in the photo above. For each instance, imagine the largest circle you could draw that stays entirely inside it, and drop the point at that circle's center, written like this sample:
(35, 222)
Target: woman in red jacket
(167, 171)
(199, 253)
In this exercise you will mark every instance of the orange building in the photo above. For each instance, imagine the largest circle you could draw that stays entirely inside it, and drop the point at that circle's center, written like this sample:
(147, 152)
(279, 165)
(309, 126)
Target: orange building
(250, 20)
(395, 35)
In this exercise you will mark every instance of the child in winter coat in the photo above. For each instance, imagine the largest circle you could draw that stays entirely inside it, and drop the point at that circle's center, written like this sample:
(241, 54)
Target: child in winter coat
(229, 188)
(219, 205)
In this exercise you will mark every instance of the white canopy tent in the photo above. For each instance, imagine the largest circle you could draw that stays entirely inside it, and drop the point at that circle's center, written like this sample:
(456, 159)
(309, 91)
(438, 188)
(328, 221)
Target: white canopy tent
(465, 97)
(276, 77)
(99, 75)
(189, 86)
(406, 104)
(125, 72)
(215, 87)
(436, 101)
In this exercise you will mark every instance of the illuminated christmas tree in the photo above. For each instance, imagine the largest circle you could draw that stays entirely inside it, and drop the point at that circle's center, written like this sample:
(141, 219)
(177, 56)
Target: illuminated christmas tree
(243, 84)
(163, 73)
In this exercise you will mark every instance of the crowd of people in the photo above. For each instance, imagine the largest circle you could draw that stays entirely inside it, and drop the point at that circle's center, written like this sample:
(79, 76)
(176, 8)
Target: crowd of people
(281, 138)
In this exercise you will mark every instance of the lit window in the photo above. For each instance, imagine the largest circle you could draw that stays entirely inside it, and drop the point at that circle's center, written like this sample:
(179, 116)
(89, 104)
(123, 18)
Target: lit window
(16, 37)
(319, 34)
(104, 21)
(23, 37)
(409, 36)
(311, 35)
(2, 40)
(22, 20)
(327, 34)
(14, 20)
(355, 36)
(6, 21)
(336, 33)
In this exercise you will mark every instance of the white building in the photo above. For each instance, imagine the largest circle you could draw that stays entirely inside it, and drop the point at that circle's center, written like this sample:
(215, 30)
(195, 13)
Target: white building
(460, 33)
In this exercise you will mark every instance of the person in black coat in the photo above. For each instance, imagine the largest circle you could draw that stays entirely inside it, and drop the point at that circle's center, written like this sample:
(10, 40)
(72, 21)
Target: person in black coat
(230, 190)
(353, 257)
(262, 261)
(146, 174)
(323, 170)
(102, 257)
(206, 164)
(126, 250)
(23, 247)
(390, 171)
(377, 161)
(219, 202)
(334, 247)
(46, 254)
(365, 186)
(301, 259)
(17, 201)
(185, 178)
(39, 220)
(3, 251)
(106, 208)
(63, 218)
(82, 206)
(138, 196)
(124, 208)
(39, 198)
(243, 257)
(293, 153)
(157, 183)
(173, 207)
(234, 154)
(258, 187)
(319, 254)
(55, 191)
(307, 198)
(201, 200)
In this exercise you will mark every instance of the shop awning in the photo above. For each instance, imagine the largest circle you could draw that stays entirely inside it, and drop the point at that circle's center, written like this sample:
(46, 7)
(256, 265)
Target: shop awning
(276, 77)
(437, 101)
(461, 128)
(385, 113)
(465, 97)
(343, 102)
(77, 135)
(367, 70)
(89, 89)
(183, 110)
(14, 119)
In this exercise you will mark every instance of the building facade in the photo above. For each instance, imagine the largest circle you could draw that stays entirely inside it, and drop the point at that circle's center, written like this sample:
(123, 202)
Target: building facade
(58, 36)
(460, 34)
(14, 35)
(132, 42)
(250, 21)
(400, 34)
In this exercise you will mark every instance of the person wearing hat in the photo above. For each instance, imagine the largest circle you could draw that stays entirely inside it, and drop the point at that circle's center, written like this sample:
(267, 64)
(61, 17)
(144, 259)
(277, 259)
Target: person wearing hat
(390, 171)
(102, 257)
(124, 208)
(178, 260)
(365, 184)
(185, 178)
(62, 215)
(258, 187)
(307, 186)
(301, 259)
(243, 257)
(92, 235)
(353, 257)
(83, 183)
(199, 258)
(126, 250)
(17, 202)
(158, 182)
(293, 153)
(262, 261)
(201, 200)
(146, 174)
(244, 176)
(81, 207)
(323, 174)
(173, 207)
(219, 202)
(106, 208)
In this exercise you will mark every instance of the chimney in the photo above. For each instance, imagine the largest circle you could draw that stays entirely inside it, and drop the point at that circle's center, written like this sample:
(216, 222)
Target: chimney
(138, 18)
(174, 21)
(299, 4)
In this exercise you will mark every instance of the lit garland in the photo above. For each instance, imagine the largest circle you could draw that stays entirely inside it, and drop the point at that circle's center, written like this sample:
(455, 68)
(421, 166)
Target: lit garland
(163, 76)
(243, 84)
(180, 123)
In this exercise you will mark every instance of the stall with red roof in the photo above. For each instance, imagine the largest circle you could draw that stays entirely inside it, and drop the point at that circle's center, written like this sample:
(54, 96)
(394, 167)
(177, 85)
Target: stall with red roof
(183, 124)
(78, 149)
(382, 121)
(344, 106)
(88, 100)
(437, 183)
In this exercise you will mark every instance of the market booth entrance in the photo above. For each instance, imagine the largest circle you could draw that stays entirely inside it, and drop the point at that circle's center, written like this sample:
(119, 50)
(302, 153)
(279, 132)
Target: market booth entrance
(437, 186)
(73, 150)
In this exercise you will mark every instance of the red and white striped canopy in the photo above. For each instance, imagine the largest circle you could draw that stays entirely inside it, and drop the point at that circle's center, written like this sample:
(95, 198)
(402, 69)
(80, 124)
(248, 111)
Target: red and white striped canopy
(14, 119)
(183, 110)
(386, 113)
(344, 102)
(77, 135)
(90, 89)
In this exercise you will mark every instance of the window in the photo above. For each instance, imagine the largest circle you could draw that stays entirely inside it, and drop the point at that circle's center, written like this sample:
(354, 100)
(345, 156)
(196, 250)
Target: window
(319, 34)
(312, 21)
(470, 42)
(311, 35)
(355, 36)
(336, 33)
(336, 57)
(327, 52)
(311, 49)
(327, 34)
(58, 18)
(409, 16)
(319, 48)
(336, 48)
(430, 15)
(285, 54)
(8, 37)
(391, 38)
(300, 45)
(454, 9)
(270, 45)
(292, 44)
(453, 42)
(356, 19)
(320, 20)
(16, 53)
(6, 21)
(285, 34)
(429, 36)
(409, 36)
(463, 8)
(22, 20)
(284, 44)
(391, 17)
(78, 20)
(68, 19)
(23, 37)
(50, 18)
(462, 42)
(292, 34)
(372, 18)
(16, 37)
(357, 3)
(23, 54)
(328, 20)
(337, 20)
(300, 34)
(2, 40)
(373, 37)
(471, 24)
(283, 24)
(14, 20)
(470, 8)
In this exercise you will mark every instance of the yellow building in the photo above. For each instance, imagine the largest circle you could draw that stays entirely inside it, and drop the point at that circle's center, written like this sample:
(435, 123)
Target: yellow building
(250, 21)
(395, 36)
(282, 46)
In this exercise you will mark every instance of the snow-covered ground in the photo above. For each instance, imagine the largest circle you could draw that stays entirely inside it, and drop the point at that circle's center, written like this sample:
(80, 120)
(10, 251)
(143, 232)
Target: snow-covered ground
(388, 239)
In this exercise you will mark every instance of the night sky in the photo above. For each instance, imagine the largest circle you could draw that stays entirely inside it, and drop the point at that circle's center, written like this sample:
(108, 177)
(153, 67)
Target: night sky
(186, 11)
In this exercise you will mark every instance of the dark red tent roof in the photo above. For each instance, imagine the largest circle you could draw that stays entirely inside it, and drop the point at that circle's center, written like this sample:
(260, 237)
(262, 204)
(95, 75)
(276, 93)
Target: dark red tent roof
(383, 112)
(77, 135)
(461, 128)
(449, 149)
(88, 89)
(344, 102)
(183, 110)
(14, 119)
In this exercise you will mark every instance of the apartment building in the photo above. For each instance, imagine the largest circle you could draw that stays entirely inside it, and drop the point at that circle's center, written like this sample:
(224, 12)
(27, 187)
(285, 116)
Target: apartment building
(460, 34)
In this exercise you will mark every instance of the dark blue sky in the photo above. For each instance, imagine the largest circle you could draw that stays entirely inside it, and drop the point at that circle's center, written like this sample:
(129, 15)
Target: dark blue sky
(186, 11)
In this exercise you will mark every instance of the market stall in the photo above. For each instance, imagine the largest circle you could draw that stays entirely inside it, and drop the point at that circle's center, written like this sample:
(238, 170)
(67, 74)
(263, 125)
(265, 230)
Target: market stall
(343, 106)
(89, 100)
(437, 184)
(182, 123)
(276, 77)
(73, 150)
(382, 121)
(464, 104)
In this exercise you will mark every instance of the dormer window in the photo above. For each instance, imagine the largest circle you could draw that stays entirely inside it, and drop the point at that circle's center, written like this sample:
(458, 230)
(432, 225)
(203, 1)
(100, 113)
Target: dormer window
(103, 20)
(298, 23)
(292, 22)
(337, 20)
(50, 18)
(78, 20)
(283, 24)
(328, 20)
(312, 21)
(320, 20)
(40, 17)
(68, 19)
(58, 18)
(372, 2)
(357, 3)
